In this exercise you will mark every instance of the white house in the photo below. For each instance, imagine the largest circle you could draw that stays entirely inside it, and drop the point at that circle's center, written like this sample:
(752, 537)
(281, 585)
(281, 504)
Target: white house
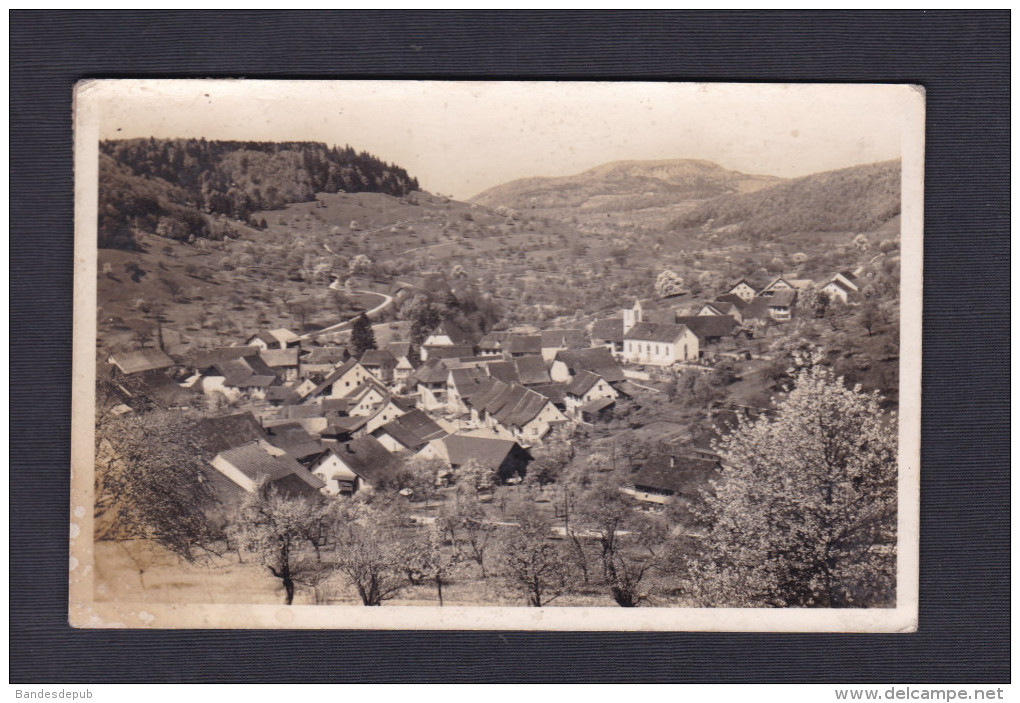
(585, 388)
(659, 344)
(249, 463)
(343, 380)
(281, 338)
(743, 290)
(837, 290)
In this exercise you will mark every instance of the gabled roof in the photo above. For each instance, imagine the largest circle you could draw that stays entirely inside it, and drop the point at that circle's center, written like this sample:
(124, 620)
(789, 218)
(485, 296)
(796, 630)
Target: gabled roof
(206, 358)
(733, 299)
(432, 371)
(738, 282)
(490, 390)
(284, 335)
(608, 330)
(517, 406)
(598, 360)
(466, 380)
(531, 370)
(655, 332)
(259, 459)
(368, 459)
(285, 395)
(597, 405)
(505, 371)
(721, 307)
(456, 334)
(399, 350)
(524, 344)
(141, 360)
(709, 326)
(553, 391)
(460, 449)
(839, 284)
(493, 341)
(414, 429)
(683, 475)
(216, 434)
(582, 382)
(564, 339)
(323, 355)
(335, 375)
(381, 358)
(288, 434)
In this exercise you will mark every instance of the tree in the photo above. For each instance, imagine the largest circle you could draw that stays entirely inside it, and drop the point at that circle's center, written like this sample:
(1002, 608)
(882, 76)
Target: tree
(531, 564)
(429, 558)
(668, 283)
(362, 336)
(369, 555)
(464, 520)
(871, 316)
(805, 512)
(480, 478)
(602, 511)
(421, 475)
(272, 527)
(360, 264)
(148, 484)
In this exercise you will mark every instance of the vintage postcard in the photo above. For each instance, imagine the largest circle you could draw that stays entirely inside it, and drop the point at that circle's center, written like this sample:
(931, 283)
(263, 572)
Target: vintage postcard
(496, 355)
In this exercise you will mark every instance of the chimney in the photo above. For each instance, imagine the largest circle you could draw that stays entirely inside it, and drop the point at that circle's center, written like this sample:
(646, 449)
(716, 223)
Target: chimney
(672, 462)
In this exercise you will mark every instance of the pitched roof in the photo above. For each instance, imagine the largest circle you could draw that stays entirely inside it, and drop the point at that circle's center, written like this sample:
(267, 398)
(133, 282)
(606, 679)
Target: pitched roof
(598, 360)
(460, 449)
(706, 326)
(524, 344)
(414, 429)
(517, 406)
(216, 434)
(141, 360)
(432, 371)
(597, 405)
(679, 474)
(553, 391)
(456, 334)
(205, 358)
(324, 355)
(288, 434)
(568, 339)
(782, 298)
(466, 380)
(259, 459)
(733, 299)
(368, 459)
(378, 357)
(285, 395)
(839, 284)
(399, 350)
(493, 341)
(582, 382)
(738, 282)
(455, 351)
(531, 370)
(284, 335)
(280, 357)
(655, 332)
(334, 375)
(609, 330)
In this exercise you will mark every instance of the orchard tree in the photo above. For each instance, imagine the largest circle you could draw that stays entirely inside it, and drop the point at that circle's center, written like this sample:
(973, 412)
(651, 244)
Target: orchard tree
(477, 476)
(362, 336)
(805, 512)
(668, 283)
(530, 563)
(273, 527)
(429, 558)
(369, 555)
(465, 521)
(360, 264)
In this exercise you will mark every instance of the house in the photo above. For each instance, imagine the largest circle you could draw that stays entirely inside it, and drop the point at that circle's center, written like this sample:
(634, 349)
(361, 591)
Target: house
(141, 361)
(718, 307)
(660, 344)
(780, 304)
(657, 311)
(233, 372)
(600, 410)
(557, 340)
(531, 370)
(447, 351)
(280, 396)
(585, 388)
(283, 362)
(460, 384)
(401, 351)
(380, 363)
(598, 360)
(388, 411)
(322, 360)
(842, 287)
(274, 339)
(371, 465)
(366, 398)
(848, 279)
(555, 392)
(431, 383)
(710, 329)
(781, 283)
(518, 345)
(339, 480)
(448, 335)
(294, 439)
(505, 456)
(492, 343)
(664, 478)
(608, 333)
(212, 435)
(743, 290)
(342, 380)
(248, 464)
(527, 415)
(410, 432)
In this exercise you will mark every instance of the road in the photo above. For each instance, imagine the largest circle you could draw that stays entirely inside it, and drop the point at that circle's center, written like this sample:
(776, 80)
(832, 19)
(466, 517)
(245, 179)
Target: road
(341, 326)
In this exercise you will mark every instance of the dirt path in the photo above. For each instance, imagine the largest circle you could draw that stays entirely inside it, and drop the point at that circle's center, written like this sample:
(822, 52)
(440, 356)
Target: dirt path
(342, 326)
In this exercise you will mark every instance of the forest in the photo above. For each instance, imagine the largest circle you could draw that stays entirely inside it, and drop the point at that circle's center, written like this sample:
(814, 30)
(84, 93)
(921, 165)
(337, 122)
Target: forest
(171, 187)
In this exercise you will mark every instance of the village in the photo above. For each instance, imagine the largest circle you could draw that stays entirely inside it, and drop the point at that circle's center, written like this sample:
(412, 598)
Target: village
(315, 416)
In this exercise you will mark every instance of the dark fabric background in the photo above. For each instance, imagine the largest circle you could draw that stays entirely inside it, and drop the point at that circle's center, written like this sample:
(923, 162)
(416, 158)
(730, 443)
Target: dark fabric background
(963, 60)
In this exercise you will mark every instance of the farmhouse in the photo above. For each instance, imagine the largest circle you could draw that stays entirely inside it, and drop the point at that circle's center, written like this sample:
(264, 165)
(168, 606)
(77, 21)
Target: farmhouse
(283, 362)
(557, 340)
(608, 333)
(518, 345)
(259, 460)
(409, 432)
(140, 361)
(505, 456)
(743, 290)
(598, 360)
(585, 388)
(710, 329)
(368, 460)
(719, 307)
(342, 380)
(273, 339)
(665, 477)
(380, 363)
(659, 344)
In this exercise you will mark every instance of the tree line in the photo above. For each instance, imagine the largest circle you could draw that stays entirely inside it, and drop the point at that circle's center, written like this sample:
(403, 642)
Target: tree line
(179, 183)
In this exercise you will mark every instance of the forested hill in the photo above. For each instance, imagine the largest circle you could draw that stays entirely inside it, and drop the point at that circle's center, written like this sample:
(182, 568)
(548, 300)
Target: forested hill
(169, 186)
(855, 199)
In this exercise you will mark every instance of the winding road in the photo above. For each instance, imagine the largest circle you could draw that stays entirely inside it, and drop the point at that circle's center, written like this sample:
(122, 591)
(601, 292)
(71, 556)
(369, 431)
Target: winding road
(342, 326)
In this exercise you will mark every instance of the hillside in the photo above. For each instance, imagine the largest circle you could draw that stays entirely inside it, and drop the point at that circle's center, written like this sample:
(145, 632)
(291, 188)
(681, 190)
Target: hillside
(627, 193)
(855, 199)
(170, 187)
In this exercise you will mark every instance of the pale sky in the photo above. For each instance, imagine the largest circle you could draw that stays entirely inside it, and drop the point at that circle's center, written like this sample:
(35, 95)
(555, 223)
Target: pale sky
(460, 138)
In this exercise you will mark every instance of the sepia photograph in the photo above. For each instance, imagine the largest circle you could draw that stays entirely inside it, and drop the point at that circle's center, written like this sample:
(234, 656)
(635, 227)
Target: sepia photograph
(496, 355)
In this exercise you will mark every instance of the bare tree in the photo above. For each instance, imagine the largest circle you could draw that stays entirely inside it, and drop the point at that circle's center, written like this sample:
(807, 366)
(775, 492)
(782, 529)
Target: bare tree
(370, 557)
(429, 557)
(464, 519)
(531, 564)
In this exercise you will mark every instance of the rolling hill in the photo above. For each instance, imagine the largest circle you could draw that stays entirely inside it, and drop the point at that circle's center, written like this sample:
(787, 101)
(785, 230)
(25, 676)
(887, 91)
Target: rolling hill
(856, 199)
(642, 193)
